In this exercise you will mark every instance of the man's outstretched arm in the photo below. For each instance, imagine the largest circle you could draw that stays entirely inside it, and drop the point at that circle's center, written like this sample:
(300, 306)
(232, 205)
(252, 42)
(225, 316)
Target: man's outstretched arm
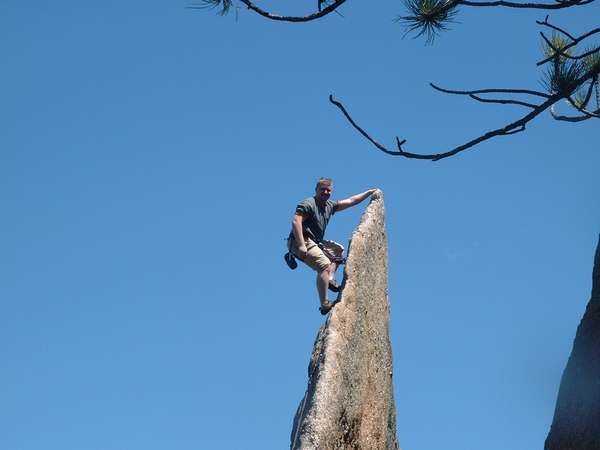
(354, 200)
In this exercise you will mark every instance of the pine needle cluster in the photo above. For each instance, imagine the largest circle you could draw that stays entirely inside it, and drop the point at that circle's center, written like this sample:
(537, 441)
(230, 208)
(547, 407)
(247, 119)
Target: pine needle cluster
(564, 71)
(428, 17)
(223, 5)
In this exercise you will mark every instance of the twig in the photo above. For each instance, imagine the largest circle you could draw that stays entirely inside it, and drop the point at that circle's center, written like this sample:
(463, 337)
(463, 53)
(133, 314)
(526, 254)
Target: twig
(363, 132)
(574, 42)
(561, 52)
(490, 91)
(554, 27)
(594, 114)
(502, 101)
(588, 95)
(567, 118)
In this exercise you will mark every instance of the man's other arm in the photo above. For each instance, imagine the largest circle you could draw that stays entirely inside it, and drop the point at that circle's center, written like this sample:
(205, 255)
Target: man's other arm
(354, 200)
(298, 235)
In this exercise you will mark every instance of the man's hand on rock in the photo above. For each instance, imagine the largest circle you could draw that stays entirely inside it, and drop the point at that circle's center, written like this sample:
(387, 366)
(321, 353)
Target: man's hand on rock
(376, 194)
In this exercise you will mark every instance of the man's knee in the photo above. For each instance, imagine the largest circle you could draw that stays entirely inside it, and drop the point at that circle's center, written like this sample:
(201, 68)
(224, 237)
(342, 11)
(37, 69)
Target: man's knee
(329, 268)
(323, 268)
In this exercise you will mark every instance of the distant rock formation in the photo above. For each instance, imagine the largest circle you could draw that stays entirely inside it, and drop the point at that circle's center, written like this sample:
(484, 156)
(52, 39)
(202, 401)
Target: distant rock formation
(576, 423)
(349, 402)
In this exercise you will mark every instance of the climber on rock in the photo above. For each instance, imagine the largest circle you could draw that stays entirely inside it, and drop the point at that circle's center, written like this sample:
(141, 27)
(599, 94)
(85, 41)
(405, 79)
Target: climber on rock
(306, 242)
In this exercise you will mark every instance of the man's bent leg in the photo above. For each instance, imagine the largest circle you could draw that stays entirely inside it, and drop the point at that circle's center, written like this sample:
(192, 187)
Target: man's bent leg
(323, 278)
(320, 263)
(323, 283)
(334, 251)
(332, 270)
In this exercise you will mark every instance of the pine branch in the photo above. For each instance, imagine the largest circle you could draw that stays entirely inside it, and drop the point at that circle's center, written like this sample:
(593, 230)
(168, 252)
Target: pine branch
(514, 127)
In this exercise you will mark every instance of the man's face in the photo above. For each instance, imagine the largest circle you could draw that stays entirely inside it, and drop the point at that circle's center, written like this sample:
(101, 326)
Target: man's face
(323, 191)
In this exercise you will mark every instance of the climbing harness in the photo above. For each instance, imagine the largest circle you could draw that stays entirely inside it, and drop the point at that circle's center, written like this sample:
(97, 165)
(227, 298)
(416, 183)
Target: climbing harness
(333, 250)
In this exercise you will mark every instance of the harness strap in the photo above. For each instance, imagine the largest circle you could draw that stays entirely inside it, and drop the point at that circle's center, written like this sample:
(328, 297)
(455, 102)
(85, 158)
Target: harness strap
(338, 259)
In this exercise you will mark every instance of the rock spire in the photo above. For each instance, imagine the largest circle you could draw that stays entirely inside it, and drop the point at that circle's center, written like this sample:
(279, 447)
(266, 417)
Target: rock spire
(349, 402)
(576, 423)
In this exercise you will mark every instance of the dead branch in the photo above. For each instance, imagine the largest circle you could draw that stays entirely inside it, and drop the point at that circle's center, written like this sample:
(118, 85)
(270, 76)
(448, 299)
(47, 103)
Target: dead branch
(502, 101)
(585, 112)
(561, 52)
(364, 133)
(489, 91)
(475, 95)
(574, 41)
(316, 15)
(560, 117)
(554, 27)
(508, 129)
(450, 4)
(558, 5)
(588, 95)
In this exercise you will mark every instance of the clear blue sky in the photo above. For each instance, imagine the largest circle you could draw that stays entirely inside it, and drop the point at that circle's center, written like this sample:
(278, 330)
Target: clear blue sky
(151, 159)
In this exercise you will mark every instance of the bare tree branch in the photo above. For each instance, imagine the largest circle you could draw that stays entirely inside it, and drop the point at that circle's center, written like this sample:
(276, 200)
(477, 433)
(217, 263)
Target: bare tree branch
(554, 27)
(490, 91)
(574, 42)
(558, 5)
(588, 95)
(317, 15)
(585, 112)
(364, 133)
(557, 116)
(502, 101)
(511, 128)
(561, 52)
(572, 103)
(474, 95)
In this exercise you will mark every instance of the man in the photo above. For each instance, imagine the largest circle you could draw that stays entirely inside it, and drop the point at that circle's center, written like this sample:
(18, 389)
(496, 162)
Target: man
(306, 238)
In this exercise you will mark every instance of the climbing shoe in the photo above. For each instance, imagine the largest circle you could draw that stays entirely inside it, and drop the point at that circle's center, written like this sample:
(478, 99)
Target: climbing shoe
(334, 286)
(290, 260)
(326, 307)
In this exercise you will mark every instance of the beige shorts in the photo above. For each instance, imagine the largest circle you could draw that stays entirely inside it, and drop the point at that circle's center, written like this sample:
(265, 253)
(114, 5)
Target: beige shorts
(315, 258)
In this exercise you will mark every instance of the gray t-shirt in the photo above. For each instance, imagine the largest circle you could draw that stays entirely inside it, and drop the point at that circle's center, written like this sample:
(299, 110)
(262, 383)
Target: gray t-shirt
(317, 218)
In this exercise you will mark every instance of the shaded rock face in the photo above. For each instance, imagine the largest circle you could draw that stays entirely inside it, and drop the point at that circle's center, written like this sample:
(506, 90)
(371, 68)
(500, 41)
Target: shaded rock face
(576, 423)
(349, 401)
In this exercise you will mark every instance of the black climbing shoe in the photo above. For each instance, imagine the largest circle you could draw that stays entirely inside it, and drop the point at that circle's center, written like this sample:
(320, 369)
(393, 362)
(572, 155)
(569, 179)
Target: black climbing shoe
(326, 307)
(290, 261)
(334, 286)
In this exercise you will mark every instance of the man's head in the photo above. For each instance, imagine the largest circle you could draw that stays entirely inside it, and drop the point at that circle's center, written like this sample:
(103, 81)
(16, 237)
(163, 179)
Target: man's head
(323, 189)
